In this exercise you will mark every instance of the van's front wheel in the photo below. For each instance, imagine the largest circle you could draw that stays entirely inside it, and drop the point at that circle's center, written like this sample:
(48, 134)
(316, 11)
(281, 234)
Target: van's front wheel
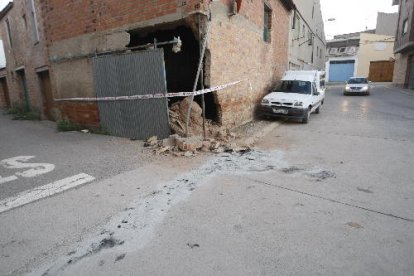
(305, 119)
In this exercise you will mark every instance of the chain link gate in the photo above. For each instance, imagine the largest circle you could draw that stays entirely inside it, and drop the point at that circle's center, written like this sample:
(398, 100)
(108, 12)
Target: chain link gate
(136, 73)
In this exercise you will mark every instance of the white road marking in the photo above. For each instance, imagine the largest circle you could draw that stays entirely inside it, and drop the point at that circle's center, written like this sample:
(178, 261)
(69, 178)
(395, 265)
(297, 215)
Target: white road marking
(7, 179)
(35, 168)
(44, 191)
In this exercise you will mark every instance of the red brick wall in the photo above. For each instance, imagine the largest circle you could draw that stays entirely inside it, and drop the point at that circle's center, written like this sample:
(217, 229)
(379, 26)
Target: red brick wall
(238, 52)
(85, 114)
(71, 18)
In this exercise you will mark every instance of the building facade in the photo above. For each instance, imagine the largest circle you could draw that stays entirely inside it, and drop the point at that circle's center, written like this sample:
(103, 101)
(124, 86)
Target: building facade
(366, 54)
(247, 41)
(376, 53)
(342, 59)
(25, 81)
(307, 43)
(404, 46)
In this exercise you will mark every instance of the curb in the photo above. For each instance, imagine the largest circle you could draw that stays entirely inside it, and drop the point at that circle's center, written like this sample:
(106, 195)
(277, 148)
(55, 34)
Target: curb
(260, 128)
(402, 90)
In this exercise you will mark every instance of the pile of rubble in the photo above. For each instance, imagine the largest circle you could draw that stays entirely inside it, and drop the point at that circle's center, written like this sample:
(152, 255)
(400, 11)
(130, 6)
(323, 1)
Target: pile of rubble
(180, 146)
(221, 140)
(178, 117)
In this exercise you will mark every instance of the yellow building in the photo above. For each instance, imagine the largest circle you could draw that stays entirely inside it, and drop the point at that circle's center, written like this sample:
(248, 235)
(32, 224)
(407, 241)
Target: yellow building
(374, 48)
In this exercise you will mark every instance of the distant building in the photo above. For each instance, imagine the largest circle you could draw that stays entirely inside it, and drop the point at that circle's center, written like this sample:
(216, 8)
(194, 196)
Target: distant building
(367, 54)
(307, 43)
(404, 46)
(386, 24)
(376, 57)
(342, 60)
(25, 82)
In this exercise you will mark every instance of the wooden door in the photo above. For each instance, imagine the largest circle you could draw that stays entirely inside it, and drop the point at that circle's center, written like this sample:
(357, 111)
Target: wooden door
(381, 71)
(48, 102)
(4, 93)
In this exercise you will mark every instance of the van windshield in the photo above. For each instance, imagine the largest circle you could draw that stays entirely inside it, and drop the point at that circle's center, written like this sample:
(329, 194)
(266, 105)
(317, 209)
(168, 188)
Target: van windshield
(298, 87)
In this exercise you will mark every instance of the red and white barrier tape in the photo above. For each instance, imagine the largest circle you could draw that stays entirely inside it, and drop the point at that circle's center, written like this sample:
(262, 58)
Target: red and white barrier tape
(150, 96)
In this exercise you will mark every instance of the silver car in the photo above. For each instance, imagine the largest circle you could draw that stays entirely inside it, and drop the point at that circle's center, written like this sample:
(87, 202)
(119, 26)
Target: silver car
(357, 85)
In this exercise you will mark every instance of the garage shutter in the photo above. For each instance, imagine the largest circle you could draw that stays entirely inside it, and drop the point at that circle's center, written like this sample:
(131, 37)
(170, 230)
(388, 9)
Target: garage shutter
(340, 71)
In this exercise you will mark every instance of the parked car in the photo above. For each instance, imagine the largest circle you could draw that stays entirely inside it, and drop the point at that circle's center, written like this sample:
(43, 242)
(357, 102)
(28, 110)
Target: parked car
(298, 94)
(357, 85)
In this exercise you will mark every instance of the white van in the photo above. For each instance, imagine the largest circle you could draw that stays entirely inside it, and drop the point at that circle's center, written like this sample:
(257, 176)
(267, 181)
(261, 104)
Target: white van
(296, 96)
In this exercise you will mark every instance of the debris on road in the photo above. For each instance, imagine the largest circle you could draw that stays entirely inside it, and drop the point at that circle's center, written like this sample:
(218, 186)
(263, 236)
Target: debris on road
(178, 146)
(192, 245)
(120, 257)
(354, 225)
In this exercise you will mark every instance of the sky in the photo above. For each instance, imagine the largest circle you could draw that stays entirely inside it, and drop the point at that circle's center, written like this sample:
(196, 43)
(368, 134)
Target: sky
(352, 15)
(3, 3)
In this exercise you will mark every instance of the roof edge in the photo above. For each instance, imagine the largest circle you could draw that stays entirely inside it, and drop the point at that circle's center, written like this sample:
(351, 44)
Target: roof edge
(5, 10)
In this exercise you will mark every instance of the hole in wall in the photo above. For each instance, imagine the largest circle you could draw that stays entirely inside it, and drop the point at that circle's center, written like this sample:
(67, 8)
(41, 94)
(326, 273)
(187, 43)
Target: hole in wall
(181, 67)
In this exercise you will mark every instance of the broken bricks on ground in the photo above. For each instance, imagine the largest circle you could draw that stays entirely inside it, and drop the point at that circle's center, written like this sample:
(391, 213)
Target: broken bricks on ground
(217, 139)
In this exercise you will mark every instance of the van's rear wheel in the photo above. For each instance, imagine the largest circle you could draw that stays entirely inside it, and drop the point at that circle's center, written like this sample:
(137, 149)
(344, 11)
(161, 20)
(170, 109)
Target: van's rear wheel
(318, 110)
(305, 119)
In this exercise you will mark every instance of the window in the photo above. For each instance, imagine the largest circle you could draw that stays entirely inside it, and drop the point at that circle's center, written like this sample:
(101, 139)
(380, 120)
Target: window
(267, 30)
(9, 35)
(342, 49)
(405, 26)
(34, 22)
(310, 38)
(294, 86)
(296, 25)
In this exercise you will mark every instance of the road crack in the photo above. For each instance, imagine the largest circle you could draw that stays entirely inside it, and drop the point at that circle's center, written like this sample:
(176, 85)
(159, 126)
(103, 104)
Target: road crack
(332, 200)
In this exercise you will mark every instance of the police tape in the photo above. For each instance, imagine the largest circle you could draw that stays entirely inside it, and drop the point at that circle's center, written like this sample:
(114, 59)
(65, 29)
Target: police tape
(150, 96)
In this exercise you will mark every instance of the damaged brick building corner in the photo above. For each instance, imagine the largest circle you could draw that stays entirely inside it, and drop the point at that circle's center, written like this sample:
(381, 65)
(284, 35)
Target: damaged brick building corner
(248, 42)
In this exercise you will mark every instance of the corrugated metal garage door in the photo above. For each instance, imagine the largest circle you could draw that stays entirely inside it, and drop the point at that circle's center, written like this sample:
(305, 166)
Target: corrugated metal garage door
(137, 73)
(340, 71)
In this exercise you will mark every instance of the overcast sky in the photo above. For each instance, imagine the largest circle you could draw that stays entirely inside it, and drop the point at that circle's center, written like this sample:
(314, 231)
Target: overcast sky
(351, 15)
(3, 3)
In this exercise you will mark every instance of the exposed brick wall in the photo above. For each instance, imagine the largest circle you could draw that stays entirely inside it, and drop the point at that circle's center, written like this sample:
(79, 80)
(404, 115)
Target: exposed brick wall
(24, 52)
(71, 18)
(238, 52)
(85, 114)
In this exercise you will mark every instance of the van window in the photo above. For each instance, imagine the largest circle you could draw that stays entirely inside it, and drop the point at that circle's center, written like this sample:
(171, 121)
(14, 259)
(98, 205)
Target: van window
(298, 87)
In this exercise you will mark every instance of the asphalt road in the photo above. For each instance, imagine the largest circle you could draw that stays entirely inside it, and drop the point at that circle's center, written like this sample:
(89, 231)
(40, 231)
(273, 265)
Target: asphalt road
(332, 197)
(63, 153)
